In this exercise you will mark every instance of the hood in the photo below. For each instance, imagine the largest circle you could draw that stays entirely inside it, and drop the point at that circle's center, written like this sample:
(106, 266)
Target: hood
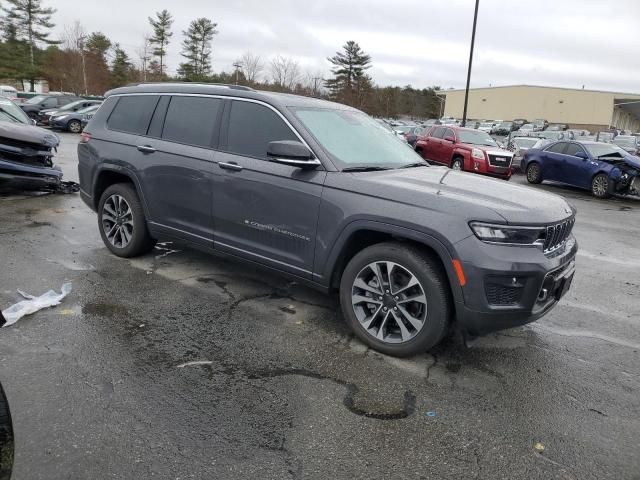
(467, 195)
(632, 161)
(29, 134)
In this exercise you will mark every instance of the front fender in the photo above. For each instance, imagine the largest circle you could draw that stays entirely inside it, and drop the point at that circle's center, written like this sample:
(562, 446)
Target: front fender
(446, 254)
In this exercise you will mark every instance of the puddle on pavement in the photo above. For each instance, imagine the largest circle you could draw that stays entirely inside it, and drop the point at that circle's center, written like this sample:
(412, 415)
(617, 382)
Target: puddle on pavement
(105, 309)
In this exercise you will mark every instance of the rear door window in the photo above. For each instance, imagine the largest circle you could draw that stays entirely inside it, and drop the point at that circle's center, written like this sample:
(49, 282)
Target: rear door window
(132, 114)
(438, 132)
(252, 126)
(192, 120)
(556, 148)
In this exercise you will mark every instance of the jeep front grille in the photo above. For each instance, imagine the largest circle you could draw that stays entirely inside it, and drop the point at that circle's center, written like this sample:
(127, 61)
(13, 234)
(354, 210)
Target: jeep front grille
(557, 235)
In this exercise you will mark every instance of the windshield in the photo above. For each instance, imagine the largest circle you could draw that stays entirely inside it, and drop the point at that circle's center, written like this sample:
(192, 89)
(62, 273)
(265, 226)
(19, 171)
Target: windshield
(71, 106)
(629, 142)
(353, 139)
(36, 99)
(10, 112)
(475, 137)
(601, 150)
(525, 142)
(90, 109)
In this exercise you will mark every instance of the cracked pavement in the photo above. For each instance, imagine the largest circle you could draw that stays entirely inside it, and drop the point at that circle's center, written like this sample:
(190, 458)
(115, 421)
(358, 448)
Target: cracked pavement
(283, 390)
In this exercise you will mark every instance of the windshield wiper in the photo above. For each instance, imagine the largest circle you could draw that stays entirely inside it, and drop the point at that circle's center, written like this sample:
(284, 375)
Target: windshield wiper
(416, 164)
(368, 168)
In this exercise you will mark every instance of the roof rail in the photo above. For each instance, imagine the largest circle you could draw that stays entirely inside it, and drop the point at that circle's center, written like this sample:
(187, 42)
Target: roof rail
(212, 84)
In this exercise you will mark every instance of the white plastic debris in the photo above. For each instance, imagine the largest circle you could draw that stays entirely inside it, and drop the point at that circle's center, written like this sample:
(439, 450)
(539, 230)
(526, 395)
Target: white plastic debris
(33, 304)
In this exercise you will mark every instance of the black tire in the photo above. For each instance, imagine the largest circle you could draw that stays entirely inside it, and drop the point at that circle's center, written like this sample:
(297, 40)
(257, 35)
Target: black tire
(140, 241)
(457, 164)
(600, 186)
(433, 280)
(534, 174)
(6, 438)
(74, 126)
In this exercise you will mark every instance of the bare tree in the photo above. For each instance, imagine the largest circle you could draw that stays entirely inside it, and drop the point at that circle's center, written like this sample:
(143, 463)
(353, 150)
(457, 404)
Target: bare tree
(252, 66)
(73, 39)
(144, 55)
(285, 72)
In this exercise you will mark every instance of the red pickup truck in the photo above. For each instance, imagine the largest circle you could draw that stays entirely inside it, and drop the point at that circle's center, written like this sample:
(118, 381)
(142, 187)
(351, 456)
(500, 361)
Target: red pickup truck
(465, 149)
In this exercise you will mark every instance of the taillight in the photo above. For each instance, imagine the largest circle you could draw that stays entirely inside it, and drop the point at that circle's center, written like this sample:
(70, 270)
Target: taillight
(85, 137)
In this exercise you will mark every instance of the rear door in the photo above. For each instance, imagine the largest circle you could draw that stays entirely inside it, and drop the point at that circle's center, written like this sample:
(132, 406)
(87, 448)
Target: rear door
(446, 147)
(177, 166)
(264, 211)
(553, 157)
(576, 170)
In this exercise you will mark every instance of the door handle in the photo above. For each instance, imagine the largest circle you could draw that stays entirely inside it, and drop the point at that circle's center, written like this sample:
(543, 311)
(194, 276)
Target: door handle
(146, 149)
(233, 166)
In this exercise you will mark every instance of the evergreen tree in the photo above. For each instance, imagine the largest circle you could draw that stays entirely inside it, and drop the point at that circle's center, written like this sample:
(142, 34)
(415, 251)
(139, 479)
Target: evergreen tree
(98, 44)
(120, 67)
(30, 22)
(350, 80)
(161, 26)
(196, 48)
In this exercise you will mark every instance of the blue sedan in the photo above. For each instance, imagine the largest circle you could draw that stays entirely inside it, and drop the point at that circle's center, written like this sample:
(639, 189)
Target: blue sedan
(603, 168)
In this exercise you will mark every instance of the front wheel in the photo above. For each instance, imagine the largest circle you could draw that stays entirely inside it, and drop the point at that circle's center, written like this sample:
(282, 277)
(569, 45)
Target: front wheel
(534, 175)
(122, 223)
(600, 186)
(457, 164)
(74, 126)
(395, 298)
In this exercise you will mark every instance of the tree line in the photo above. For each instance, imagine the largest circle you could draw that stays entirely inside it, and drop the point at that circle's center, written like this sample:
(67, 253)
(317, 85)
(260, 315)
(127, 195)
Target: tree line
(90, 63)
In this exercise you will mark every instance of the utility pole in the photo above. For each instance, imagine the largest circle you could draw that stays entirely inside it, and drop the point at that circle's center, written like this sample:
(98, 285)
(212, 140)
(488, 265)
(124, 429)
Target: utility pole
(473, 39)
(84, 67)
(238, 66)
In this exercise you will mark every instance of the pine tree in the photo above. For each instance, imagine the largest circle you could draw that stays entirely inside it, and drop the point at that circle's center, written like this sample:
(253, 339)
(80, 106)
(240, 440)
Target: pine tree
(350, 80)
(120, 67)
(196, 48)
(30, 22)
(161, 34)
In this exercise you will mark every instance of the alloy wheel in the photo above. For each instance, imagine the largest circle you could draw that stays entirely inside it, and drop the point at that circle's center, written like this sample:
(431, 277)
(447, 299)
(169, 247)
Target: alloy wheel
(75, 127)
(600, 186)
(389, 302)
(533, 172)
(117, 221)
(457, 165)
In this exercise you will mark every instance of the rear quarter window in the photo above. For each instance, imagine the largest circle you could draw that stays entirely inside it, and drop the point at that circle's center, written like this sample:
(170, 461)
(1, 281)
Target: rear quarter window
(132, 114)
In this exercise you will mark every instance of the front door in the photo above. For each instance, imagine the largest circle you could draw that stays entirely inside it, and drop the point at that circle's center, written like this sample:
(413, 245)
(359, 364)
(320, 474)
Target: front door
(553, 160)
(576, 170)
(264, 211)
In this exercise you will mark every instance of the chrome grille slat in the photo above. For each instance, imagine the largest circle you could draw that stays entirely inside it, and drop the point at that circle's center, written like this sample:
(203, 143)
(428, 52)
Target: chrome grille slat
(557, 235)
(494, 163)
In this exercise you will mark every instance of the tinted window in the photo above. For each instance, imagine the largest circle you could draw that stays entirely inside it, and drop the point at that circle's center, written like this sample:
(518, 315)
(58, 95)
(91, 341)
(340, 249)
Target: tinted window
(132, 114)
(438, 132)
(50, 102)
(191, 120)
(252, 127)
(573, 149)
(448, 133)
(556, 148)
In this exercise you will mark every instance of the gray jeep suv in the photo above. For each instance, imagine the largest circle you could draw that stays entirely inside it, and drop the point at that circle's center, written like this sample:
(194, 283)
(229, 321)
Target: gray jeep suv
(322, 193)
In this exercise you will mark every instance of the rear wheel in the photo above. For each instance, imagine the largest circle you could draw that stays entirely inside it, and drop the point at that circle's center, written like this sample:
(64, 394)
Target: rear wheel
(74, 126)
(122, 223)
(6, 438)
(534, 175)
(395, 298)
(600, 186)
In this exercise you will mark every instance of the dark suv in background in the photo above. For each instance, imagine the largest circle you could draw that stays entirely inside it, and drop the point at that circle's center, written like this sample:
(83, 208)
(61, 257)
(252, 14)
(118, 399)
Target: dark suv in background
(310, 188)
(34, 105)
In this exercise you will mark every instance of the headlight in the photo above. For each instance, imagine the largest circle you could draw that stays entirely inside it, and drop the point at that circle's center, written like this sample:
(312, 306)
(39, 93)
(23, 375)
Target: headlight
(477, 153)
(507, 234)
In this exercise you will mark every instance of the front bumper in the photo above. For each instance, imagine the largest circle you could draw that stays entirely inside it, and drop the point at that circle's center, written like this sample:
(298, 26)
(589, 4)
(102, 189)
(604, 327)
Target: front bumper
(510, 286)
(26, 177)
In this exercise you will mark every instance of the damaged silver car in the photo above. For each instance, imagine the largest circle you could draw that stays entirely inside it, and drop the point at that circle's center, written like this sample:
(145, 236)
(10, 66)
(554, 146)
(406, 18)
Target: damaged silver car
(26, 153)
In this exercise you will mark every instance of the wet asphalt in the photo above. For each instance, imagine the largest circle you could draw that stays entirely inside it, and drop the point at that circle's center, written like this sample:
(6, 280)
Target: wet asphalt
(99, 388)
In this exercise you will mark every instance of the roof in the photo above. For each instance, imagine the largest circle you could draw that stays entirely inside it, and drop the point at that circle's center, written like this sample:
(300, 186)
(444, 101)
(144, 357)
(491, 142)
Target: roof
(538, 86)
(274, 98)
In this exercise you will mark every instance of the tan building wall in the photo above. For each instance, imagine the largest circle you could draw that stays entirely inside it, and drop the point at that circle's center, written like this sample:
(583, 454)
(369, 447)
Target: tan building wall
(557, 105)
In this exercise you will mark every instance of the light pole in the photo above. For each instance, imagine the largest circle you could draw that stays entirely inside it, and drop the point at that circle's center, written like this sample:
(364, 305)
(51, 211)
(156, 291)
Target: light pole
(473, 39)
(238, 66)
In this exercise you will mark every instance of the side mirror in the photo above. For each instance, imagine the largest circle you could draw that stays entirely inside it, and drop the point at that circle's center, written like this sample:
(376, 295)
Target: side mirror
(582, 155)
(449, 138)
(291, 153)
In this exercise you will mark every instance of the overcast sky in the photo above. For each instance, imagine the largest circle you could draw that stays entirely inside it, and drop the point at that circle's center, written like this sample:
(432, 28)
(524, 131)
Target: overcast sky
(568, 43)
